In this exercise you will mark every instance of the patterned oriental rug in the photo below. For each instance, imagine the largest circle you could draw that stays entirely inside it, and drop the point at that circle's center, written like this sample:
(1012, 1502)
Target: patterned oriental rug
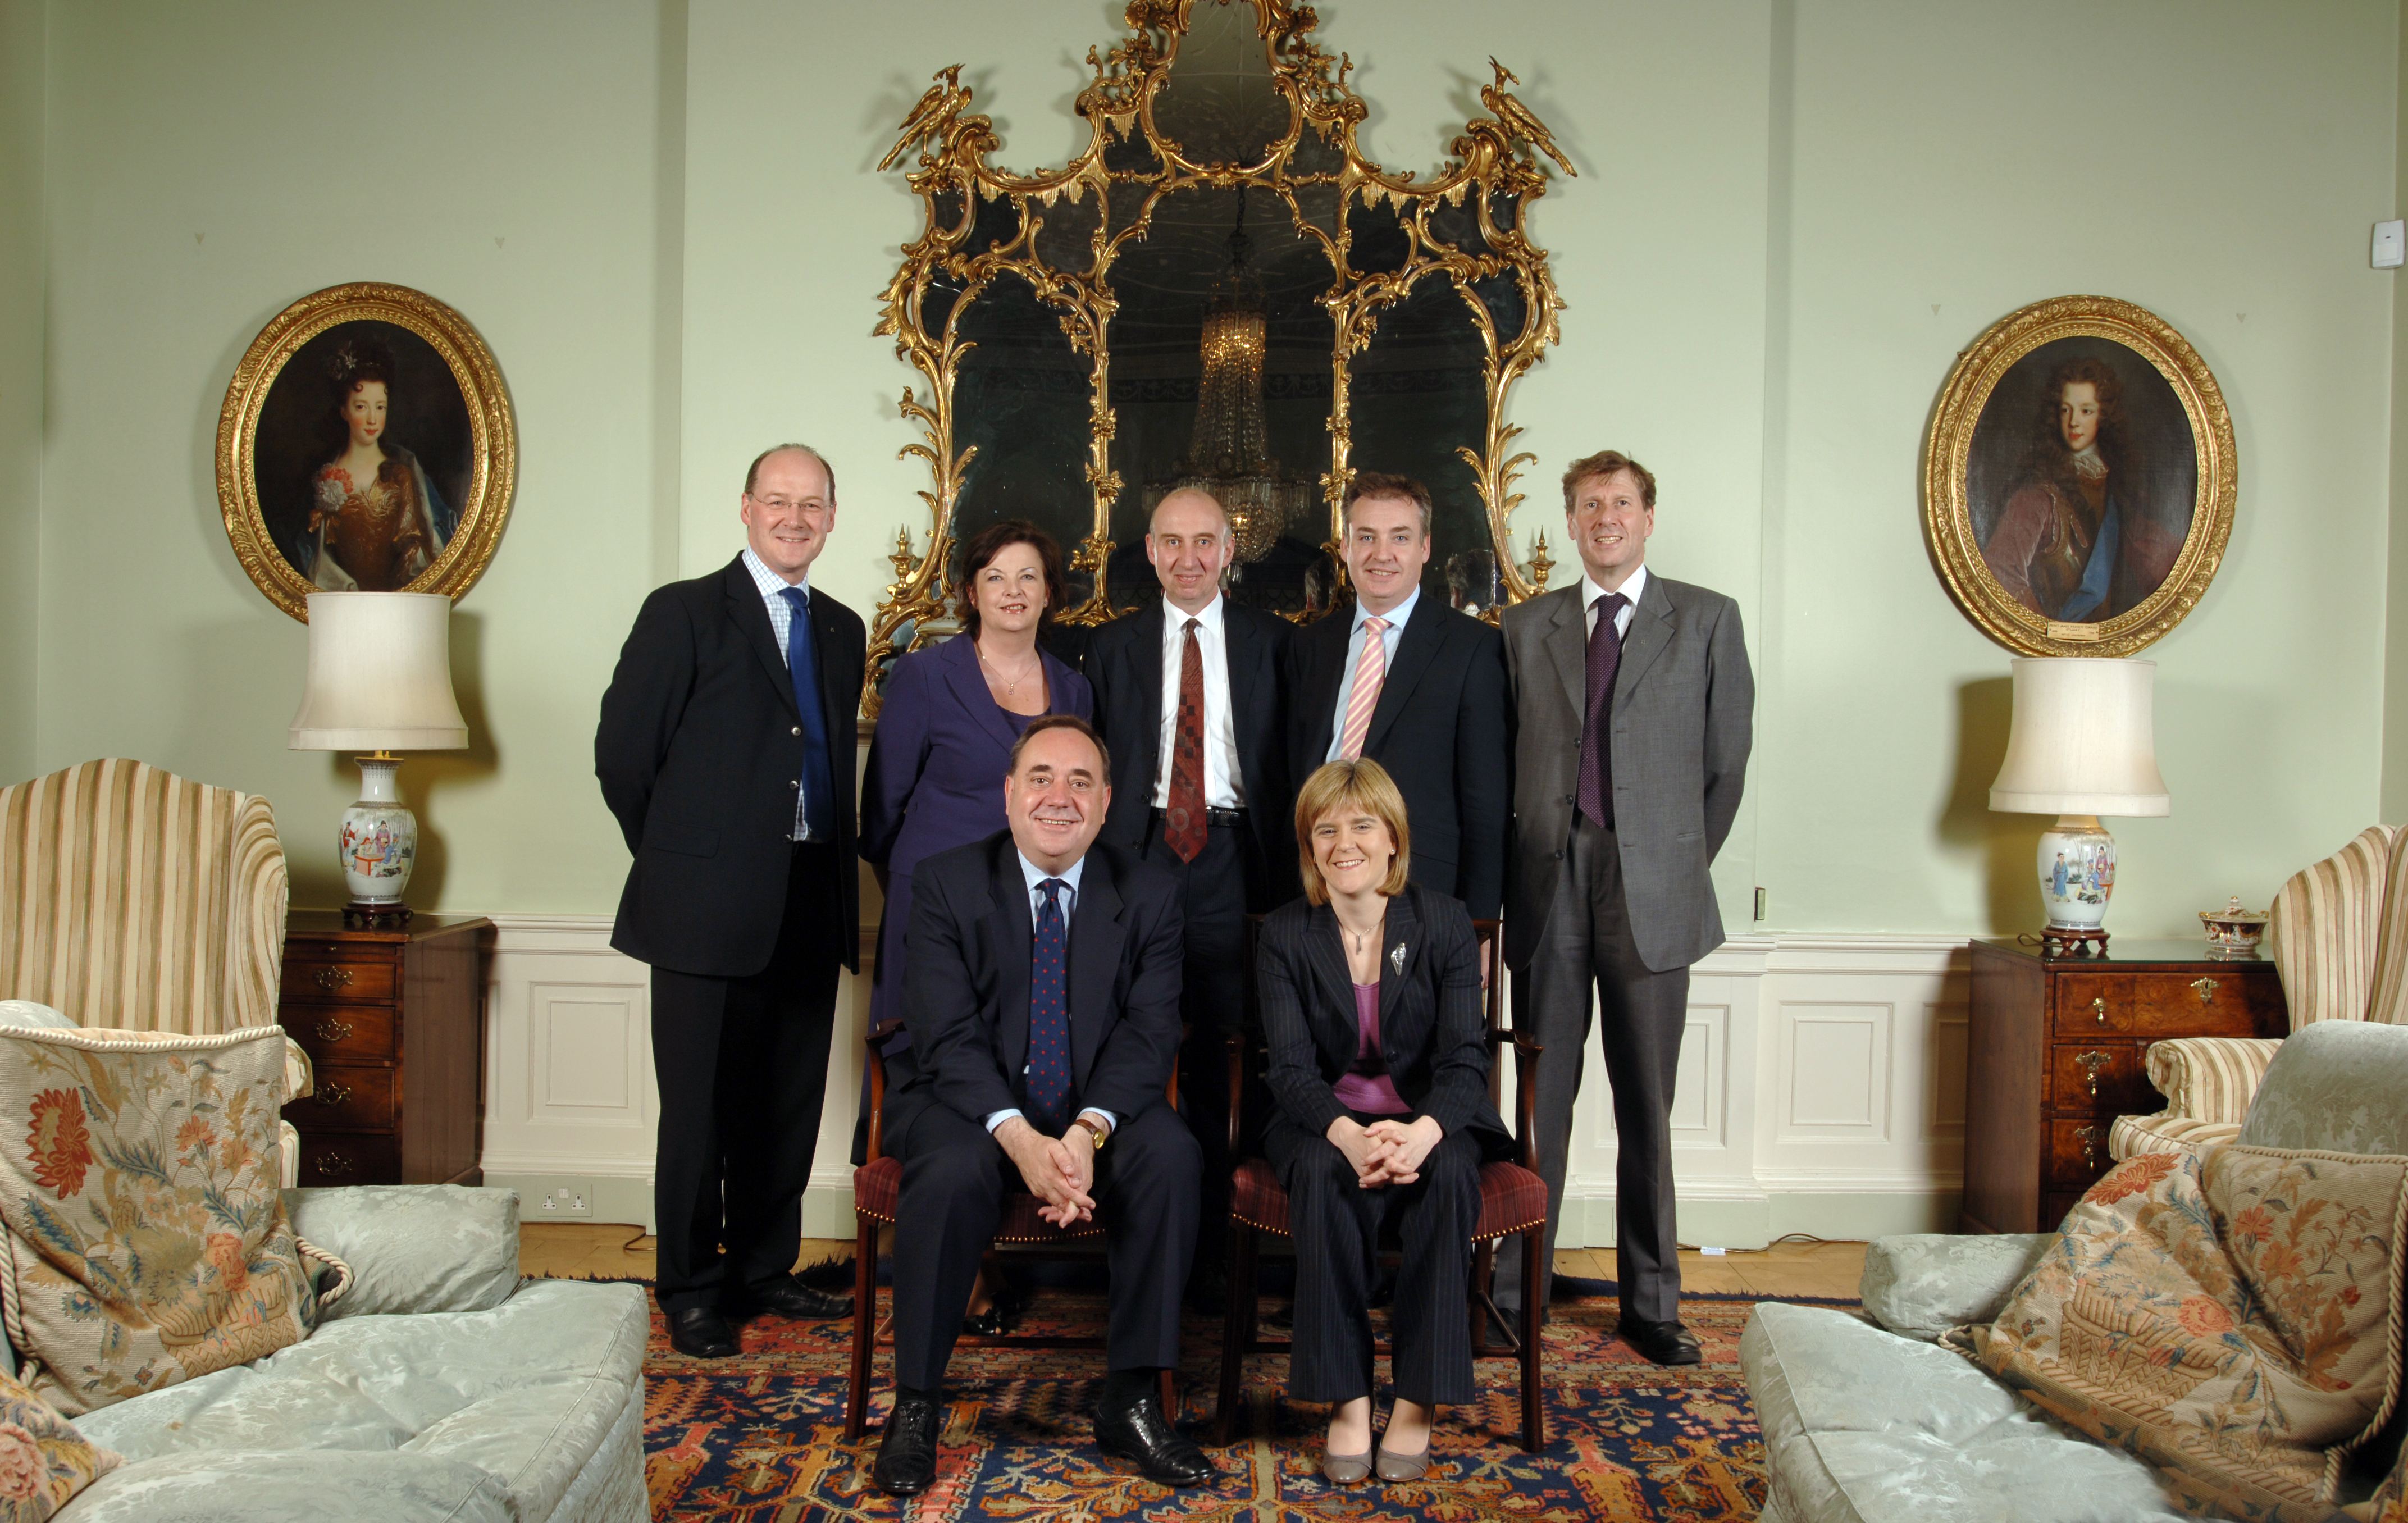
(759, 1438)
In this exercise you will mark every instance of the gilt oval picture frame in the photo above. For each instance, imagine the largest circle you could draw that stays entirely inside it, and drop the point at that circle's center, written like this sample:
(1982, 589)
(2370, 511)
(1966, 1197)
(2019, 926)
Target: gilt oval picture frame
(367, 444)
(2078, 479)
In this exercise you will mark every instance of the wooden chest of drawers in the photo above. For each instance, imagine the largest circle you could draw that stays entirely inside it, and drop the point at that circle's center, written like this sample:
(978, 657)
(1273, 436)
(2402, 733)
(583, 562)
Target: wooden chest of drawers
(2053, 1054)
(392, 1020)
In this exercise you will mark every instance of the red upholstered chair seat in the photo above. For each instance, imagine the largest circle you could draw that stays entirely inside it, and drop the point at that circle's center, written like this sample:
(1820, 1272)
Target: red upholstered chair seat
(875, 1185)
(1512, 1199)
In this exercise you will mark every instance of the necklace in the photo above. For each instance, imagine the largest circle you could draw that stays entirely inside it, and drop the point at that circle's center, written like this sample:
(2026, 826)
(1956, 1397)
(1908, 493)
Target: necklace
(1357, 937)
(1010, 684)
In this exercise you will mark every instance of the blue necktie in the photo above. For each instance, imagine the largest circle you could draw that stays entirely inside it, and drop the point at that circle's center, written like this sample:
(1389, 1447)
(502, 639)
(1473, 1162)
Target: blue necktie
(1049, 1019)
(803, 667)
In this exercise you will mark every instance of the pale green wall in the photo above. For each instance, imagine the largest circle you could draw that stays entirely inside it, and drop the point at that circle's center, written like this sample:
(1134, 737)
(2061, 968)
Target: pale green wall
(1771, 198)
(210, 165)
(2395, 670)
(21, 39)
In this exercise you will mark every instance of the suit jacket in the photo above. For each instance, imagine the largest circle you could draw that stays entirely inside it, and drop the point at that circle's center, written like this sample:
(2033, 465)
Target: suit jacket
(1431, 1033)
(1443, 730)
(1684, 702)
(699, 754)
(967, 980)
(1123, 662)
(935, 777)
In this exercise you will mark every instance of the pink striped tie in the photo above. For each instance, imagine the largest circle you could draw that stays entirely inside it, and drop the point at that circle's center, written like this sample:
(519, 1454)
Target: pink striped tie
(1370, 671)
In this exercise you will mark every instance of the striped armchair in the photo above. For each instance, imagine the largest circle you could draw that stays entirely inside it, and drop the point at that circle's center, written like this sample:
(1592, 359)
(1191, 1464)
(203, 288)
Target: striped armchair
(134, 899)
(2339, 938)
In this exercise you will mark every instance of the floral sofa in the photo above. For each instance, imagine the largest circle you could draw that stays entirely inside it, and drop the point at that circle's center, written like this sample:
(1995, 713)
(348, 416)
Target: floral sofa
(440, 1385)
(1867, 1420)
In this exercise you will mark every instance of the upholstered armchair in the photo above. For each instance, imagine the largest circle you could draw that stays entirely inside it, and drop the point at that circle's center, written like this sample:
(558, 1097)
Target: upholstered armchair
(2341, 947)
(134, 899)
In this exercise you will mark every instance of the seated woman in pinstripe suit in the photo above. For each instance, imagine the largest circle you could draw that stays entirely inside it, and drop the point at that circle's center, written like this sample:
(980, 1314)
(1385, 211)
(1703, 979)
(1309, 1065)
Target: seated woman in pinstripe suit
(1369, 989)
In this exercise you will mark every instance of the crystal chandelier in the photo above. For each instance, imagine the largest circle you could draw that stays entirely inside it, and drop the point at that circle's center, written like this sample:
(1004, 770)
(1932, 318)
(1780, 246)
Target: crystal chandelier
(1228, 454)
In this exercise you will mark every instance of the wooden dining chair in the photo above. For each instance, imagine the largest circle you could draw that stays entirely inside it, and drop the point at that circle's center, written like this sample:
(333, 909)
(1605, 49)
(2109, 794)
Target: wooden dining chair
(1022, 1235)
(1513, 1203)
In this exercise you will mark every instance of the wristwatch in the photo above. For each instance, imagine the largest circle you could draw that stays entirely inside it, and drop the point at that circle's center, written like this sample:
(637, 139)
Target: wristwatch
(1095, 1131)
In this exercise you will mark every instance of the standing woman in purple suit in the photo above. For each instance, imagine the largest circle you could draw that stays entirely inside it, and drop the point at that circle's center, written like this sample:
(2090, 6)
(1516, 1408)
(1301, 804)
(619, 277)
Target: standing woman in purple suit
(945, 730)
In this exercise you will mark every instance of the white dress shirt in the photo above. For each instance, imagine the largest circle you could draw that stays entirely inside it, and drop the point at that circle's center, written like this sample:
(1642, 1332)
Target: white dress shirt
(1067, 898)
(781, 623)
(1388, 637)
(1224, 785)
(1631, 587)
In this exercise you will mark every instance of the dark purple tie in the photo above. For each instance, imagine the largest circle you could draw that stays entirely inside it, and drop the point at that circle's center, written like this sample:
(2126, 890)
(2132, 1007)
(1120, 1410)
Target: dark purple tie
(1596, 758)
(1048, 1086)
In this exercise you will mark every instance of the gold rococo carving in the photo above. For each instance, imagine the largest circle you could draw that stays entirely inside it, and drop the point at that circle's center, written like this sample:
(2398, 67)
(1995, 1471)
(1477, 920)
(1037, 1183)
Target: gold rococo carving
(1494, 155)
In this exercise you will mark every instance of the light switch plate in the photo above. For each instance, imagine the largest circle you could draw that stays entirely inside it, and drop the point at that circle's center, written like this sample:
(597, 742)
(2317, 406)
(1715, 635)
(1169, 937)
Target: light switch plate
(2391, 244)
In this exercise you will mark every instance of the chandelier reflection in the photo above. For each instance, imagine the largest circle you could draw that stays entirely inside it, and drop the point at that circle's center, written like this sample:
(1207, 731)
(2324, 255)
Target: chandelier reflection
(1228, 455)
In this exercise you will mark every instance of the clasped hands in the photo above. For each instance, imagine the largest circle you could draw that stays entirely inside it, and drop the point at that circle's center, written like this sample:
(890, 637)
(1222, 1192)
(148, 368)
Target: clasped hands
(1059, 1170)
(1386, 1152)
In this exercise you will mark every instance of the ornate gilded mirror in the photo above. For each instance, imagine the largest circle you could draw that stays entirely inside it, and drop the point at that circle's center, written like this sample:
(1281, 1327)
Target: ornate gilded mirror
(1220, 291)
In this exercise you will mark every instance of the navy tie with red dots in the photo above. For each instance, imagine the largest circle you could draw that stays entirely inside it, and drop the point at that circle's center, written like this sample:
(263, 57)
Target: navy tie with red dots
(1049, 1019)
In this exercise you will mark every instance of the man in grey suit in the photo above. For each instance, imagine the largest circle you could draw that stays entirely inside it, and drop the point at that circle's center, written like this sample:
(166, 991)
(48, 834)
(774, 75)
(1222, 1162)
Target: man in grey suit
(1635, 704)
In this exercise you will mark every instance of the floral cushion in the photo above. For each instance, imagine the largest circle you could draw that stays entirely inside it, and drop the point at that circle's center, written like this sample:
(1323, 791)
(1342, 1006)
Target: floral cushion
(2235, 1321)
(43, 1460)
(146, 1239)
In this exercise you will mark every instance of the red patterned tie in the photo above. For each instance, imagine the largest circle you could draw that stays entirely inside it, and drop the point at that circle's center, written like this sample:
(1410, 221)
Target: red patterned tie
(1183, 821)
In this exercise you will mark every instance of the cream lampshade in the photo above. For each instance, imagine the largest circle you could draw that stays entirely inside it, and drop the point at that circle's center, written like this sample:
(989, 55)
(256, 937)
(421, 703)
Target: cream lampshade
(2083, 744)
(379, 681)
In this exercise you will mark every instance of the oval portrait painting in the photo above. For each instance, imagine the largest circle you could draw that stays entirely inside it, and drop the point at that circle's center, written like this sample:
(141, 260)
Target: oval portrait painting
(365, 447)
(2078, 479)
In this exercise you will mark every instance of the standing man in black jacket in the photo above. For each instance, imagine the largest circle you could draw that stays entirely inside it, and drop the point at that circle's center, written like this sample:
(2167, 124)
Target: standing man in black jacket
(1423, 695)
(1187, 696)
(726, 750)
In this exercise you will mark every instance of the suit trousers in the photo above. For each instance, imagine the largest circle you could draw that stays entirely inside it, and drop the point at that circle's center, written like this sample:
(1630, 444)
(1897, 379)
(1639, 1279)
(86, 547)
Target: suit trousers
(1587, 939)
(954, 1179)
(1211, 998)
(742, 1067)
(1336, 1226)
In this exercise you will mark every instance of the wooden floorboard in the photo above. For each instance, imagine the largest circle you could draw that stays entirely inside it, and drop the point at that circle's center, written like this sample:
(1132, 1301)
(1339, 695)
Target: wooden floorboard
(601, 1251)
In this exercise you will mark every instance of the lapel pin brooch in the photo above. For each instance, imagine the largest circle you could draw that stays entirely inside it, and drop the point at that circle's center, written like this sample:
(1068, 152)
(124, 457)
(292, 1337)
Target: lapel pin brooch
(1397, 959)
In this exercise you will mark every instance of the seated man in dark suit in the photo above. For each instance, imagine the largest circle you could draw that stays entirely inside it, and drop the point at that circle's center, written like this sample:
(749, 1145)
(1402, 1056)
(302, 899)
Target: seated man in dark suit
(1041, 990)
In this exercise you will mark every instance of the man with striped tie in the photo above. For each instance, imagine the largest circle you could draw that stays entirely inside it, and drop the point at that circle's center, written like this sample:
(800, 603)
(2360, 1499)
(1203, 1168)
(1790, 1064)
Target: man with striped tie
(1416, 686)
(1635, 703)
(1041, 989)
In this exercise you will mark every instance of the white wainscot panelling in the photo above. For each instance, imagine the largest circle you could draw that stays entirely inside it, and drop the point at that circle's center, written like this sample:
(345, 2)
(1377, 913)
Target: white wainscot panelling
(1821, 1087)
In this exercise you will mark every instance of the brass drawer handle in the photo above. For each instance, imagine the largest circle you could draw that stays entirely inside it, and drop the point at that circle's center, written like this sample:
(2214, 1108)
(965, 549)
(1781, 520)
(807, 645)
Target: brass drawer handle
(2091, 1063)
(2100, 1007)
(334, 1095)
(331, 979)
(333, 1030)
(332, 1164)
(2206, 987)
(2090, 1136)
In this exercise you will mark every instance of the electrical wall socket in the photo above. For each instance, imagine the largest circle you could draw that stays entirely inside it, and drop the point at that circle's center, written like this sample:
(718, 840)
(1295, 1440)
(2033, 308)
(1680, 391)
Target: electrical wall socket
(556, 1201)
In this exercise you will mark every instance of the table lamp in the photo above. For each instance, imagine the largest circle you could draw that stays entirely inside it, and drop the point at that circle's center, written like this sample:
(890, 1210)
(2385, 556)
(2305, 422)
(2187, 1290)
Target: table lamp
(2083, 744)
(379, 682)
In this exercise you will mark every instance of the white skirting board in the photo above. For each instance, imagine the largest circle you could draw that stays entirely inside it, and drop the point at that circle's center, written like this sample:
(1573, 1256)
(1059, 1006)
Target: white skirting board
(1821, 1087)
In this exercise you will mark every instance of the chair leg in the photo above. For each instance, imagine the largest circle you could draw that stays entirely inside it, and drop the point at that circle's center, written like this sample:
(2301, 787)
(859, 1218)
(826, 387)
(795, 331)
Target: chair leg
(1534, 1314)
(865, 1327)
(1237, 1330)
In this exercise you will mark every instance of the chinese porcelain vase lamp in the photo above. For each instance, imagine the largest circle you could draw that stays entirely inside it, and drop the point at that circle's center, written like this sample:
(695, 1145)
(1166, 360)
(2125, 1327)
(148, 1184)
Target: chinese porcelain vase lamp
(379, 682)
(2083, 744)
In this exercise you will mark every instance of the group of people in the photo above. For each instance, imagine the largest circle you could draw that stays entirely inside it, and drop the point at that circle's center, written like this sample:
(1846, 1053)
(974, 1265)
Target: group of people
(1069, 852)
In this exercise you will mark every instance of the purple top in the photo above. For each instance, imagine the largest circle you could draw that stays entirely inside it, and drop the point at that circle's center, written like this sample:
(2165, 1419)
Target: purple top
(1366, 1086)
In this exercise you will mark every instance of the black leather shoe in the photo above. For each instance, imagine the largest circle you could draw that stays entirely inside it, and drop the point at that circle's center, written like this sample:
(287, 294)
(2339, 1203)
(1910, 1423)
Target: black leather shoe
(790, 1298)
(1660, 1343)
(699, 1332)
(907, 1453)
(1135, 1429)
